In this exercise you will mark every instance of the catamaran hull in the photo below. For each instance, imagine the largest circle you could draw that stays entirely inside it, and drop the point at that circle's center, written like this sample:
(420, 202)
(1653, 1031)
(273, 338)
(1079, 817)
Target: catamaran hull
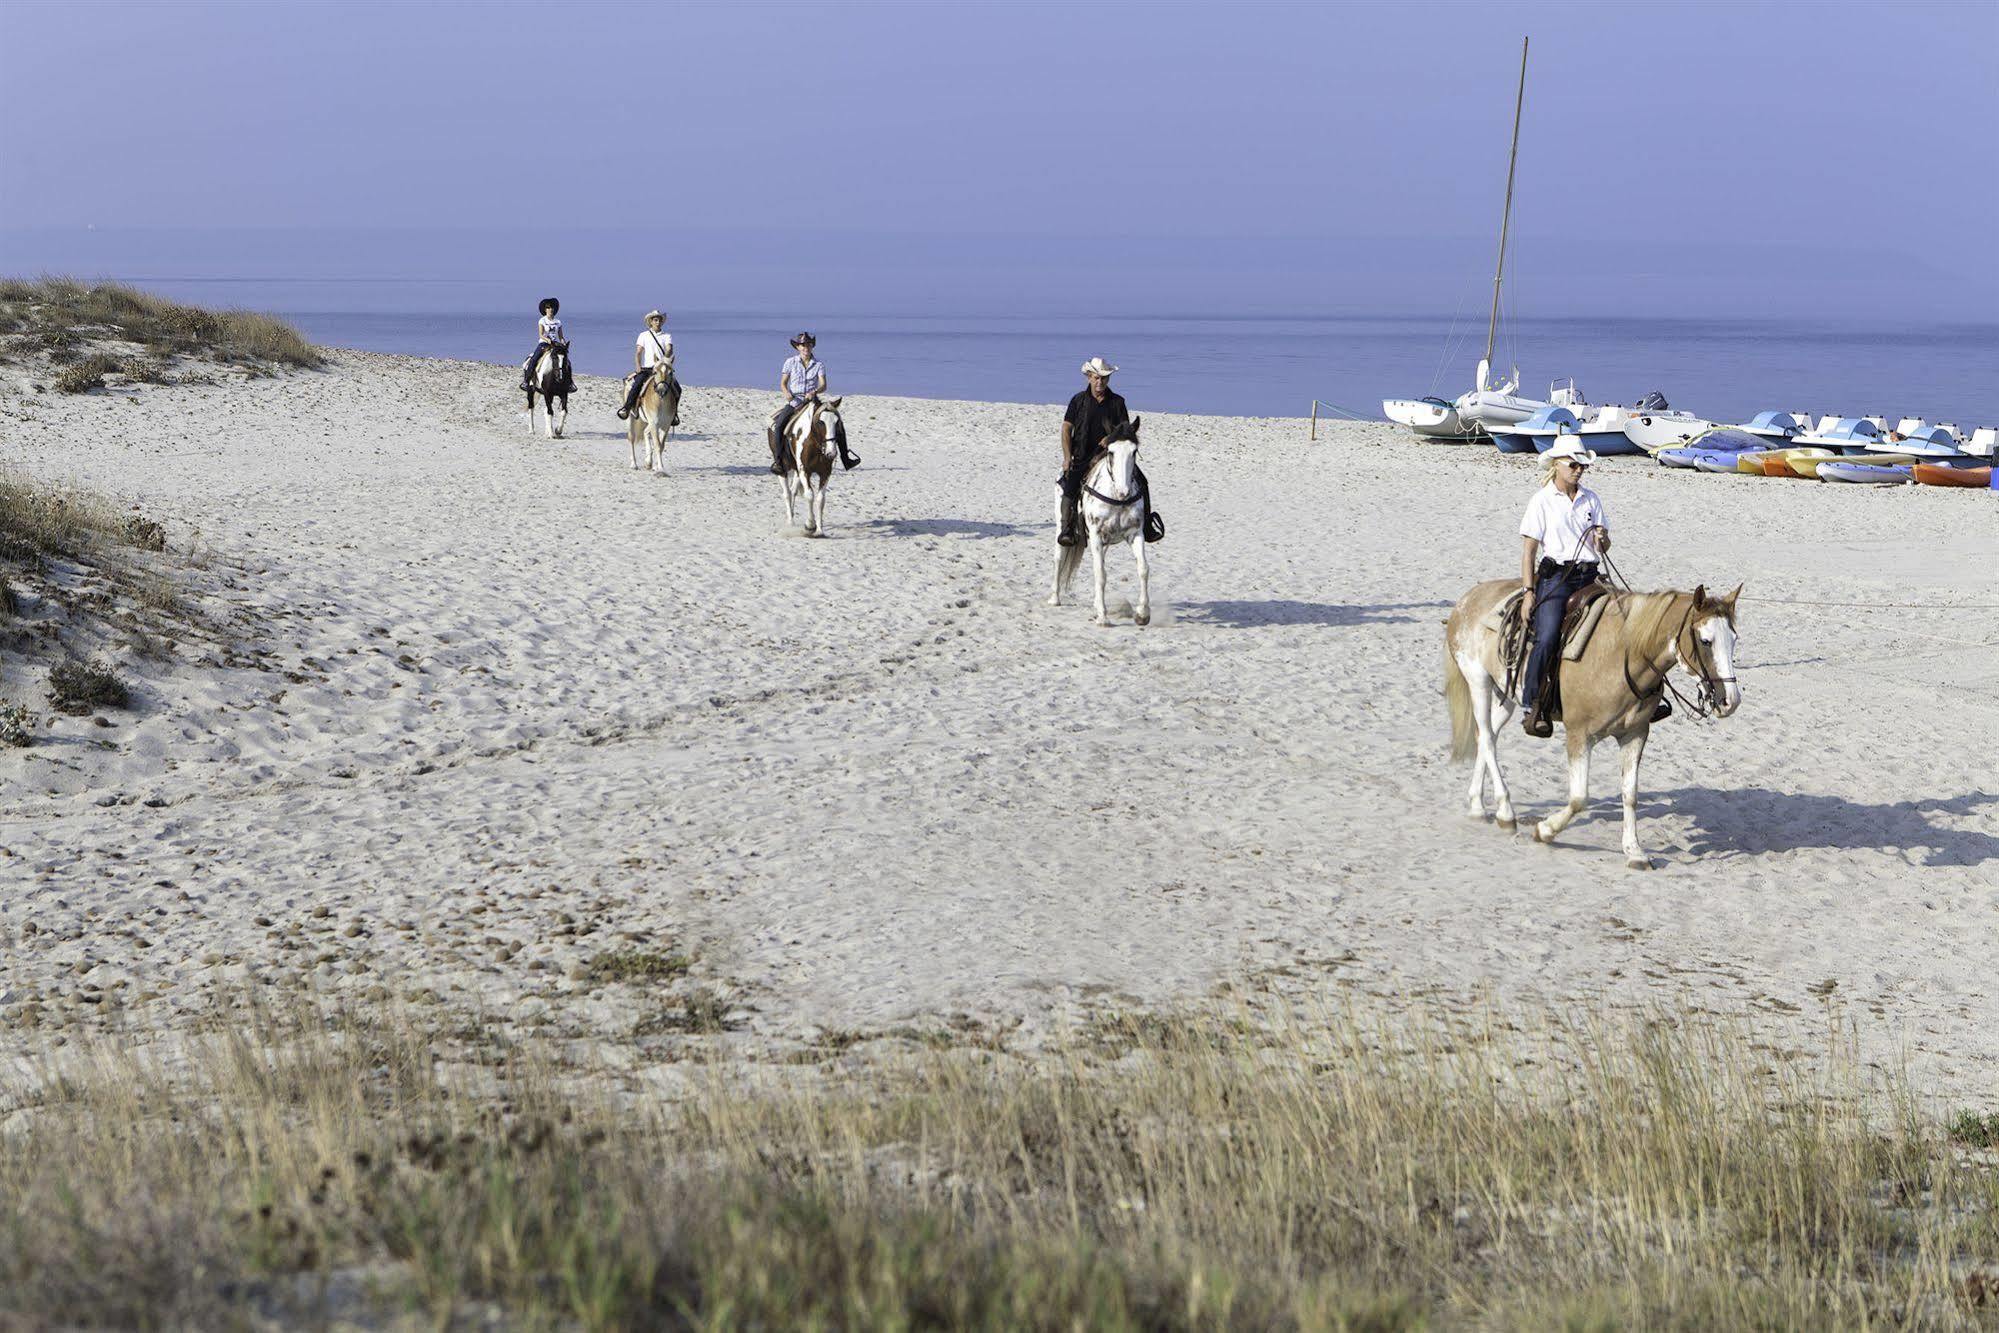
(1430, 418)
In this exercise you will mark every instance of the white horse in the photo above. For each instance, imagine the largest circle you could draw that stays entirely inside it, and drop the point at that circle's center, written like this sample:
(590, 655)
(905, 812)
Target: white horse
(1611, 691)
(652, 417)
(1112, 510)
(550, 372)
(809, 451)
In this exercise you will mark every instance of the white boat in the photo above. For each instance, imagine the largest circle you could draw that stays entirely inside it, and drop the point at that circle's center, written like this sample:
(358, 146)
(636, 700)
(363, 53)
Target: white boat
(1984, 442)
(1489, 405)
(1431, 418)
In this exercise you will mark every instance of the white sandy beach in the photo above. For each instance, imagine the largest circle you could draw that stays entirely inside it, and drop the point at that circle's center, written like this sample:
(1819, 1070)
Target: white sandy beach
(500, 704)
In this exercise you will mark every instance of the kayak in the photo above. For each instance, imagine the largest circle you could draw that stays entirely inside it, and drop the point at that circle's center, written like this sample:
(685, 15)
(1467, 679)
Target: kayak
(1777, 463)
(1752, 463)
(1714, 460)
(1875, 474)
(1809, 467)
(1933, 474)
(1677, 457)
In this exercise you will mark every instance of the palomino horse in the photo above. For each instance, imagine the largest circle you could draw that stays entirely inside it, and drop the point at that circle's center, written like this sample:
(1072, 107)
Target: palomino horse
(809, 451)
(652, 417)
(1112, 510)
(551, 372)
(1612, 690)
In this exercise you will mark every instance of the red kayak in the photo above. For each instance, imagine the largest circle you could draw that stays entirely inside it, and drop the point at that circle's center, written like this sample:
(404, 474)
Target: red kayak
(1935, 474)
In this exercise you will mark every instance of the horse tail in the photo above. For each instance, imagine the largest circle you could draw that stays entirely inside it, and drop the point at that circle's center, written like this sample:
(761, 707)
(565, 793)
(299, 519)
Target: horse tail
(1066, 567)
(1457, 691)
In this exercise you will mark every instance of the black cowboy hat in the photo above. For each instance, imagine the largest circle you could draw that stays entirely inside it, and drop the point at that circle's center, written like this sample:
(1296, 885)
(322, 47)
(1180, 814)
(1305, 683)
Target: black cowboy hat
(805, 340)
(551, 305)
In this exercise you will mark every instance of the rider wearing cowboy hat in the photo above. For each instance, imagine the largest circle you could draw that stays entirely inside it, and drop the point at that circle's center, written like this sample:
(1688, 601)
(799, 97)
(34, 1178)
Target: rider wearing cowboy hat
(1091, 415)
(1561, 535)
(549, 329)
(802, 380)
(654, 346)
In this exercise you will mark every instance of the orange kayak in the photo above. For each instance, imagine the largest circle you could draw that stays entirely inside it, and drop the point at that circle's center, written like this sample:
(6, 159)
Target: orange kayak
(1934, 474)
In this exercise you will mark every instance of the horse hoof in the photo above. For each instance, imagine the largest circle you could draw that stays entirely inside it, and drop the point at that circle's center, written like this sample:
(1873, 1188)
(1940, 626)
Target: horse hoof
(1638, 863)
(1506, 825)
(1101, 623)
(1143, 618)
(1542, 833)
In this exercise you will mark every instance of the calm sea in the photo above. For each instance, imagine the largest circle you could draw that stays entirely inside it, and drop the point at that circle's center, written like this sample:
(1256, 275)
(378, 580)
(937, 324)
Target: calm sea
(1722, 369)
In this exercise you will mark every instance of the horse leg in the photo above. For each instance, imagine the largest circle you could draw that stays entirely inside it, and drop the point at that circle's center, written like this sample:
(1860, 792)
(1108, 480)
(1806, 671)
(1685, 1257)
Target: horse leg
(1549, 828)
(790, 507)
(1631, 748)
(1486, 765)
(818, 502)
(1143, 615)
(562, 422)
(1097, 565)
(634, 427)
(530, 411)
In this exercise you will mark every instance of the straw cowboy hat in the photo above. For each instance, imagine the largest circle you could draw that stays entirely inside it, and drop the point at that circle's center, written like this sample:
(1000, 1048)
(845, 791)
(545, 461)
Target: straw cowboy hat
(1096, 365)
(1572, 447)
(654, 314)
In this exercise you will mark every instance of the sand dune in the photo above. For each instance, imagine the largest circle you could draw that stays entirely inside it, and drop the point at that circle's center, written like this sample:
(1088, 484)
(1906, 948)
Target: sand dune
(519, 705)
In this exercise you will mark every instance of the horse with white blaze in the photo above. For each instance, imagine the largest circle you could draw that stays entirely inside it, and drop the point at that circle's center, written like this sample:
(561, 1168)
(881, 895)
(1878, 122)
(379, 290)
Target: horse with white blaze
(1113, 509)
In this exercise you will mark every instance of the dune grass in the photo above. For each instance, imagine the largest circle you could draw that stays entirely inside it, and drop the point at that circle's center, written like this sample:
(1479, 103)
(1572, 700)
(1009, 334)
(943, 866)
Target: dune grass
(59, 317)
(1156, 1174)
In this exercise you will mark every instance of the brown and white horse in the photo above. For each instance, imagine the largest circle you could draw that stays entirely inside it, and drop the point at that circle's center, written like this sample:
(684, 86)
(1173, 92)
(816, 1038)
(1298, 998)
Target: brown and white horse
(652, 417)
(809, 451)
(551, 372)
(1611, 690)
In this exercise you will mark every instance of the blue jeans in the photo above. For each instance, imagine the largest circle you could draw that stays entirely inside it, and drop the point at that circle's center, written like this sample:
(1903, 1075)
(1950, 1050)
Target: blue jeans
(1552, 585)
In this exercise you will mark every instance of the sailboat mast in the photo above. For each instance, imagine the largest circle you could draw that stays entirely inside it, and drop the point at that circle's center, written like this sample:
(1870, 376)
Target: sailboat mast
(1506, 214)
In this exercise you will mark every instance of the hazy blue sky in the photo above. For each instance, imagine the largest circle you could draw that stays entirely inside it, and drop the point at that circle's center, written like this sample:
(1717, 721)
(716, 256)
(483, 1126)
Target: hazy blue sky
(1214, 156)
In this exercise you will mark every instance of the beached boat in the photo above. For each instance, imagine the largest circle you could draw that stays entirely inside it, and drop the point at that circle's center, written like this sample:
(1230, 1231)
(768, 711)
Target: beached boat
(1652, 430)
(1808, 465)
(1779, 462)
(1856, 435)
(1716, 460)
(1928, 442)
(1431, 418)
(1774, 425)
(1867, 474)
(1537, 432)
(1984, 442)
(1943, 474)
(1490, 405)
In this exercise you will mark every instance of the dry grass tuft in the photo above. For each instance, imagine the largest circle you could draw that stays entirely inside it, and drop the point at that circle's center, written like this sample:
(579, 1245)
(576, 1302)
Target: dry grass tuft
(1216, 1175)
(60, 314)
(80, 688)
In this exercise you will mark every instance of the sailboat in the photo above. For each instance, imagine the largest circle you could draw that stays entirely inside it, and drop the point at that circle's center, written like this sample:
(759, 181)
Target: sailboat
(1490, 405)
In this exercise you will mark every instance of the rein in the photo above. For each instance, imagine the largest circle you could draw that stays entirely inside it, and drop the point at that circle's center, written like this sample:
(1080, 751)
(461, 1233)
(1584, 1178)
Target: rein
(1110, 499)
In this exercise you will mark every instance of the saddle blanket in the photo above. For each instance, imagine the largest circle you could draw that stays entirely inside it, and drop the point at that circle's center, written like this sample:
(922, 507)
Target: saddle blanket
(1578, 640)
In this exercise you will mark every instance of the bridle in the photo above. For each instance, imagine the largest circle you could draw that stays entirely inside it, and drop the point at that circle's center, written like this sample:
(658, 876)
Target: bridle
(1111, 499)
(1707, 698)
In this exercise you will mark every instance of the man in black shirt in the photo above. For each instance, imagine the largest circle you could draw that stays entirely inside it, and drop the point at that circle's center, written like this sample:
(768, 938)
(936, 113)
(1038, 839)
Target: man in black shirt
(1091, 415)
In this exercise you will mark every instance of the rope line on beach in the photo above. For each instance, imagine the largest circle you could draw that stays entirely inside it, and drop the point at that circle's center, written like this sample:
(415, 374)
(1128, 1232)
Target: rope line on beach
(1878, 606)
(1351, 416)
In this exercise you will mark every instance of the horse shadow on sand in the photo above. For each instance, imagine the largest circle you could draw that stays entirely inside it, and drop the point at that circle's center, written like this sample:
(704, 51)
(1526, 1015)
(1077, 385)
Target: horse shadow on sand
(947, 527)
(1279, 612)
(1753, 821)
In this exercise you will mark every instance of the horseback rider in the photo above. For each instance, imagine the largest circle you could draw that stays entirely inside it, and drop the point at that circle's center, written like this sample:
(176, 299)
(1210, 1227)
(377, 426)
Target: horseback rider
(1561, 535)
(549, 330)
(802, 380)
(1091, 415)
(654, 346)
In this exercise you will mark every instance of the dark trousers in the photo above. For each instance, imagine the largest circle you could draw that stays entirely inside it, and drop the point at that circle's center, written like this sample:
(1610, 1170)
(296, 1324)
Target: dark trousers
(1552, 585)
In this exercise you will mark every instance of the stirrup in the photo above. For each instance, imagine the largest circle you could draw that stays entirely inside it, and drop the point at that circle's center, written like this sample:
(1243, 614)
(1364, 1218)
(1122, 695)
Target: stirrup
(1155, 527)
(1068, 537)
(849, 460)
(1663, 710)
(624, 414)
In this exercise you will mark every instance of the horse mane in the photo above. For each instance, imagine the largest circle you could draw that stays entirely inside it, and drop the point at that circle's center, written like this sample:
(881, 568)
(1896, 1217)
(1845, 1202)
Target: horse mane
(1650, 623)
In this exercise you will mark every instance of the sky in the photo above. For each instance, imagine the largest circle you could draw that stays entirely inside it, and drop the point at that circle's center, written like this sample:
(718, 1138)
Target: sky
(1157, 158)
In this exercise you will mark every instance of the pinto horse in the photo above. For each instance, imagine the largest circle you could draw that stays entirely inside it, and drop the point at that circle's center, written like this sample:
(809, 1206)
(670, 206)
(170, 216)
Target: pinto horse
(551, 374)
(652, 417)
(1611, 690)
(809, 449)
(1112, 510)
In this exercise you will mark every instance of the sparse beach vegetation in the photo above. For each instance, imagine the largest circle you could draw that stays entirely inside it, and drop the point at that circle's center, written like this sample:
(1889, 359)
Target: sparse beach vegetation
(1281, 1175)
(63, 317)
(84, 687)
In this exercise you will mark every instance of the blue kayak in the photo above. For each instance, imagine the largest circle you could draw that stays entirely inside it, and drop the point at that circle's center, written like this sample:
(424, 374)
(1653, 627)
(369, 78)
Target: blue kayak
(1877, 474)
(1676, 457)
(1729, 439)
(1714, 460)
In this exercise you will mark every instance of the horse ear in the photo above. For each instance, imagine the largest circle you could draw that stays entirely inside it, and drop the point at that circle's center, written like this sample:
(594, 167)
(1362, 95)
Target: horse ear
(835, 404)
(1729, 601)
(1700, 596)
(1134, 426)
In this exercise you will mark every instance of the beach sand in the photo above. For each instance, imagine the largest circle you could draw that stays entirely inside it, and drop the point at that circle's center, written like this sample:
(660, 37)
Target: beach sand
(500, 705)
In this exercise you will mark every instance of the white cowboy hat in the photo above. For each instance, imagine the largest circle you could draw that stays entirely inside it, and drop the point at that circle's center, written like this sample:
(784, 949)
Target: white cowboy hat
(1572, 447)
(1096, 365)
(654, 314)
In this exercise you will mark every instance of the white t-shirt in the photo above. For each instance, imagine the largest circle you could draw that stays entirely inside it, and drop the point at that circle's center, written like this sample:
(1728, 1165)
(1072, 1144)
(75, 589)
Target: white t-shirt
(551, 329)
(655, 348)
(1558, 523)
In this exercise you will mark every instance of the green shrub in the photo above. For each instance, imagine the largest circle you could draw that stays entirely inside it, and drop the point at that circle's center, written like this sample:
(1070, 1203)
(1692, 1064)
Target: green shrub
(85, 375)
(62, 312)
(16, 725)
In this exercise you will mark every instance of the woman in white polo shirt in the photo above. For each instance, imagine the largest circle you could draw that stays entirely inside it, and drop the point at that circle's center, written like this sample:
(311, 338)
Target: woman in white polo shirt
(1561, 535)
(655, 345)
